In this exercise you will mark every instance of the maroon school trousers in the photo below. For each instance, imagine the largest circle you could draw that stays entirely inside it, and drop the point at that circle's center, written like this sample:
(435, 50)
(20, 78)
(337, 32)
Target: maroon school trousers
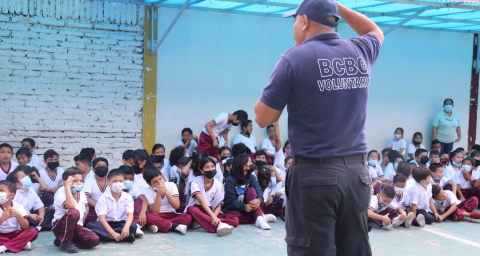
(47, 198)
(466, 206)
(248, 217)
(205, 145)
(67, 229)
(205, 221)
(391, 214)
(471, 192)
(137, 208)
(274, 208)
(15, 241)
(164, 220)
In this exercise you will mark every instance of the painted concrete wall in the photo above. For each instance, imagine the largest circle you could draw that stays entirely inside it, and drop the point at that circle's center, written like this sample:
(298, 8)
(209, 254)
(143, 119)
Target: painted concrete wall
(216, 62)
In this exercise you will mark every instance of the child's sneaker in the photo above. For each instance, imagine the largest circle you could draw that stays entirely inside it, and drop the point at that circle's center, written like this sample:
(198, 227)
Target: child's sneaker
(269, 218)
(195, 225)
(182, 229)
(28, 247)
(389, 227)
(397, 222)
(153, 228)
(409, 219)
(421, 220)
(68, 247)
(139, 232)
(475, 215)
(38, 228)
(261, 223)
(224, 229)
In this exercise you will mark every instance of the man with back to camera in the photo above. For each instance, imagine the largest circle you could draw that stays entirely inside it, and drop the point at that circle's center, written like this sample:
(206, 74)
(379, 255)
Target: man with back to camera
(324, 82)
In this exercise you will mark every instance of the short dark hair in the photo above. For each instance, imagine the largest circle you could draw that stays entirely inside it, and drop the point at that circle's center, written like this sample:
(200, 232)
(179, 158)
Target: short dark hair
(404, 168)
(287, 158)
(460, 149)
(99, 159)
(264, 176)
(12, 176)
(448, 99)
(393, 155)
(12, 188)
(453, 154)
(24, 151)
(385, 150)
(157, 146)
(128, 154)
(205, 161)
(115, 172)
(434, 153)
(399, 178)
(435, 166)
(371, 152)
(435, 142)
(417, 134)
(270, 126)
(70, 172)
(30, 141)
(183, 161)
(245, 124)
(285, 145)
(435, 191)
(127, 169)
(471, 159)
(89, 151)
(242, 116)
(421, 173)
(224, 148)
(420, 151)
(176, 154)
(475, 147)
(49, 153)
(389, 191)
(400, 129)
(260, 153)
(237, 168)
(141, 155)
(84, 158)
(445, 153)
(187, 130)
(149, 173)
(239, 149)
(6, 145)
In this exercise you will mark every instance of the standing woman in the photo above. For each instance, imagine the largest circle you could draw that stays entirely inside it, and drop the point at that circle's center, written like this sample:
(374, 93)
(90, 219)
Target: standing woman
(446, 126)
(246, 137)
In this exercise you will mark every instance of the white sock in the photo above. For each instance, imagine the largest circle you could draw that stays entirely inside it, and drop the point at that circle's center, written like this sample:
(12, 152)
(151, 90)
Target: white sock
(3, 248)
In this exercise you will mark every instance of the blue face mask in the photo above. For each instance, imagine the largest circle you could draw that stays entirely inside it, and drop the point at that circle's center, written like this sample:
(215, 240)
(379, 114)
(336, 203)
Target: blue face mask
(372, 162)
(425, 185)
(455, 163)
(128, 185)
(26, 182)
(467, 167)
(447, 108)
(76, 188)
(395, 166)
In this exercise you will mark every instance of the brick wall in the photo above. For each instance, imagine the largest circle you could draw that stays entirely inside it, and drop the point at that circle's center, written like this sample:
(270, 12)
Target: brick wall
(71, 76)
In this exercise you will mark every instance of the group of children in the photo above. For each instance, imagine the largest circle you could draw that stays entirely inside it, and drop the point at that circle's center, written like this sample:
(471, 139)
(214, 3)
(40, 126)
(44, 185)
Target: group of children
(203, 183)
(429, 186)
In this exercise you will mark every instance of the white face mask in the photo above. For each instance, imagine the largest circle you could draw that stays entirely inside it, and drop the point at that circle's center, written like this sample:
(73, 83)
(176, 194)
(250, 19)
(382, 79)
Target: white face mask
(3, 197)
(398, 136)
(398, 190)
(118, 187)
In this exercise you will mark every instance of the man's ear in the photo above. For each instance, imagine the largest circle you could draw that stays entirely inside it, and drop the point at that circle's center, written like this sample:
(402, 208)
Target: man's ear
(306, 22)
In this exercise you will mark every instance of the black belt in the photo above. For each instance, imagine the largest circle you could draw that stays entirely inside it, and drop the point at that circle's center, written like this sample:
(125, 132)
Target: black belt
(358, 158)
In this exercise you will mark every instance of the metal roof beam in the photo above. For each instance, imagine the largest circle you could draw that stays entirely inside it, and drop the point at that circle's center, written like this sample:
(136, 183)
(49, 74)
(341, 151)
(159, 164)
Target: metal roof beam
(137, 2)
(401, 23)
(253, 2)
(378, 14)
(435, 4)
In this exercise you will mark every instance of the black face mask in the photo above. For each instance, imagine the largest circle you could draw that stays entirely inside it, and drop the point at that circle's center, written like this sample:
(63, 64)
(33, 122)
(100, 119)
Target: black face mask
(424, 160)
(53, 165)
(101, 171)
(136, 169)
(247, 133)
(477, 163)
(210, 174)
(260, 163)
(252, 169)
(234, 124)
(416, 143)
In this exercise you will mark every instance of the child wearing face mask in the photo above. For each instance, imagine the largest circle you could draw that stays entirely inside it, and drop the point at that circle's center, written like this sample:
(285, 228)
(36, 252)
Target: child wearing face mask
(157, 150)
(51, 175)
(96, 186)
(401, 198)
(421, 202)
(448, 206)
(440, 180)
(140, 203)
(465, 180)
(71, 209)
(384, 212)
(6, 163)
(15, 233)
(373, 158)
(114, 209)
(140, 161)
(456, 158)
(205, 201)
(415, 145)
(398, 143)
(444, 158)
(421, 157)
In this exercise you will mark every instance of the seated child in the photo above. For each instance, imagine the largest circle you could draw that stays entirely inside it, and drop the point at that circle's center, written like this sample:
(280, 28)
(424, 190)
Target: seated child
(159, 150)
(182, 181)
(405, 169)
(163, 199)
(373, 157)
(271, 205)
(127, 157)
(421, 157)
(38, 184)
(35, 161)
(188, 141)
(6, 163)
(385, 161)
(90, 152)
(140, 203)
(15, 233)
(390, 169)
(96, 186)
(84, 164)
(175, 155)
(456, 158)
(51, 175)
(71, 209)
(436, 145)
(448, 206)
(421, 198)
(401, 197)
(140, 161)
(444, 158)
(434, 158)
(440, 180)
(158, 162)
(269, 144)
(415, 145)
(24, 156)
(466, 181)
(385, 213)
(398, 143)
(221, 124)
(205, 201)
(115, 212)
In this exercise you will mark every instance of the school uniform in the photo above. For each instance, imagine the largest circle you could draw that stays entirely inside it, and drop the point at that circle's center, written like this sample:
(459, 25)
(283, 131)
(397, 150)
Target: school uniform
(449, 172)
(379, 208)
(411, 149)
(213, 197)
(469, 205)
(219, 174)
(379, 170)
(279, 158)
(165, 172)
(402, 200)
(467, 189)
(94, 190)
(167, 214)
(11, 235)
(4, 172)
(276, 207)
(443, 183)
(183, 198)
(250, 142)
(237, 196)
(206, 142)
(52, 182)
(191, 146)
(410, 182)
(421, 197)
(269, 148)
(136, 195)
(141, 183)
(115, 213)
(90, 175)
(67, 224)
(173, 175)
(31, 202)
(389, 172)
(398, 144)
(36, 162)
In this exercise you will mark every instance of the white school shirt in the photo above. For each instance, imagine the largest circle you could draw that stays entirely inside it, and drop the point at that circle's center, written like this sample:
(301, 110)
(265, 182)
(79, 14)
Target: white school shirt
(461, 181)
(11, 224)
(191, 146)
(165, 206)
(376, 206)
(379, 170)
(389, 172)
(221, 124)
(451, 199)
(476, 173)
(449, 172)
(208, 195)
(268, 146)
(4, 173)
(36, 162)
(412, 149)
(29, 200)
(173, 175)
(443, 182)
(114, 210)
(410, 182)
(372, 172)
(35, 187)
(279, 158)
(401, 200)
(93, 189)
(135, 192)
(219, 174)
(221, 140)
(421, 197)
(141, 183)
(398, 144)
(52, 182)
(250, 142)
(90, 175)
(59, 202)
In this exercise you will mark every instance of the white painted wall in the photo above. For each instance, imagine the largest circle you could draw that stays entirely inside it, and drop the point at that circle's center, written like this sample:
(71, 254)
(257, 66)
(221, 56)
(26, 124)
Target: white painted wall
(71, 76)
(217, 62)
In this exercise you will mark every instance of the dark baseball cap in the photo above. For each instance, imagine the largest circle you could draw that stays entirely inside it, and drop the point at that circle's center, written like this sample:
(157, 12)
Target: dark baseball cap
(318, 11)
